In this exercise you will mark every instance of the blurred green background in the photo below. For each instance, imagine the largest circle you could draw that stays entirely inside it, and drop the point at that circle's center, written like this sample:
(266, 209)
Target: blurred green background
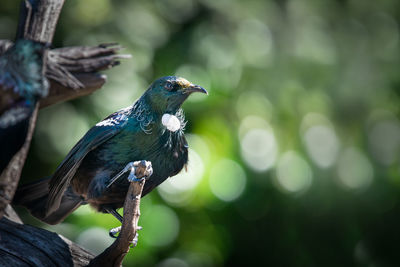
(295, 154)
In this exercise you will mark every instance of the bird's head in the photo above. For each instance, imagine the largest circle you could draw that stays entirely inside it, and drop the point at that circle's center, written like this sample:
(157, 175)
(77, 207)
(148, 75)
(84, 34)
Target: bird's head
(166, 94)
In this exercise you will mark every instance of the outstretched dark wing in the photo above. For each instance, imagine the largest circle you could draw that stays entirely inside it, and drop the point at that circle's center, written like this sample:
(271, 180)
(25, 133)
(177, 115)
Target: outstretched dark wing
(96, 136)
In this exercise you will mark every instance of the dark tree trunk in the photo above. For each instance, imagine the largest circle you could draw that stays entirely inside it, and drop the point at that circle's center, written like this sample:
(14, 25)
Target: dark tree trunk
(72, 72)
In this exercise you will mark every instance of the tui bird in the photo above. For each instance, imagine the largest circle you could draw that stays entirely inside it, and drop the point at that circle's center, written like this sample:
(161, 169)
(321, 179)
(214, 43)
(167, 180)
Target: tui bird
(93, 171)
(22, 83)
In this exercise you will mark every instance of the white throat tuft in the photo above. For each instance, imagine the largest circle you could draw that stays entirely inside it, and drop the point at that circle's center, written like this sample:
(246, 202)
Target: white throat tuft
(171, 122)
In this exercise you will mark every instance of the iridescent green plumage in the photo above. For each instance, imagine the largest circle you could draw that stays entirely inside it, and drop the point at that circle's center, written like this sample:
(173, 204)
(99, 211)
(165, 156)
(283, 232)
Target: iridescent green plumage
(131, 134)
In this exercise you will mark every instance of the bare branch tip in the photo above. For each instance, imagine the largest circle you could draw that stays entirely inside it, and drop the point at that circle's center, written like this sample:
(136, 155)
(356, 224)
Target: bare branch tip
(107, 45)
(124, 56)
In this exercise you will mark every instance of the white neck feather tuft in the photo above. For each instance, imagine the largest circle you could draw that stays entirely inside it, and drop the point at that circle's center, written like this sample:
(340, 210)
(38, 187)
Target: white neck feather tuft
(171, 122)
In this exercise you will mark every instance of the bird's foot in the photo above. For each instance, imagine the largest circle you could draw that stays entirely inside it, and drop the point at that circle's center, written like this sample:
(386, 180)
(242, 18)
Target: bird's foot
(138, 170)
(142, 170)
(135, 240)
(114, 213)
(115, 231)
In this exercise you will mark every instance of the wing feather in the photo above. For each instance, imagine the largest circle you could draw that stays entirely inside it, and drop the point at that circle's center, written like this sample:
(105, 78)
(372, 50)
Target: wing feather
(96, 136)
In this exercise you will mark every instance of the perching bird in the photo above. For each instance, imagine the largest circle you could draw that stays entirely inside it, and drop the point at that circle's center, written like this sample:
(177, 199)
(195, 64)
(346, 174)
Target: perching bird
(151, 129)
(22, 83)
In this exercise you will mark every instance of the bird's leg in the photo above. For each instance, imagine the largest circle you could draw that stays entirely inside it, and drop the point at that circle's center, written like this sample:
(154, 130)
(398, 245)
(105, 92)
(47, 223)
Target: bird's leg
(138, 170)
(114, 234)
(114, 213)
(128, 167)
(114, 231)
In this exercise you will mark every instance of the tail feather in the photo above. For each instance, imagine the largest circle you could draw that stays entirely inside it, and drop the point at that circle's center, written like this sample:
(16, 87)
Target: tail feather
(28, 193)
(34, 197)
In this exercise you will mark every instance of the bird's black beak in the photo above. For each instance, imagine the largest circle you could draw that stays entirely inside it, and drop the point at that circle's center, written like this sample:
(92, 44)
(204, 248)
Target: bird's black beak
(195, 88)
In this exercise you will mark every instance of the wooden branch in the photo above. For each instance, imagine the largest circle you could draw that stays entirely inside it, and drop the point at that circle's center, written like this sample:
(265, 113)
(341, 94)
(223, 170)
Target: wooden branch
(58, 93)
(38, 19)
(10, 176)
(87, 58)
(65, 63)
(11, 215)
(72, 71)
(114, 254)
(25, 245)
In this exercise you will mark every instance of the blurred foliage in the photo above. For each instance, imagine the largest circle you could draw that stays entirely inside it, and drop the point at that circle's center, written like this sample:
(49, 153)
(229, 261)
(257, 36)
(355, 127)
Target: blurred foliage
(295, 154)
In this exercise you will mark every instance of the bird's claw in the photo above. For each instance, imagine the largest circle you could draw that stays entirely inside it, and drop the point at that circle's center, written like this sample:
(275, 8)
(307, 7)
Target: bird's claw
(138, 171)
(135, 240)
(132, 177)
(141, 170)
(114, 231)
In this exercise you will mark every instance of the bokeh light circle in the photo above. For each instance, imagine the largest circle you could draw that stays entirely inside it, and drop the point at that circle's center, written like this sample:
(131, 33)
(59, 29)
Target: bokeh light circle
(95, 239)
(354, 169)
(322, 145)
(51, 130)
(176, 190)
(258, 145)
(293, 173)
(227, 180)
(384, 141)
(161, 226)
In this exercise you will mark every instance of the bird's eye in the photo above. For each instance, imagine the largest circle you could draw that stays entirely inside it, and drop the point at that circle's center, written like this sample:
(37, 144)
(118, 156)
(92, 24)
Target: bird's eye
(169, 86)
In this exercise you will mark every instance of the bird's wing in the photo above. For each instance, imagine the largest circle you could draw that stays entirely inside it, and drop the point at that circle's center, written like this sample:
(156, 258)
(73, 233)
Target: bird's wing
(96, 136)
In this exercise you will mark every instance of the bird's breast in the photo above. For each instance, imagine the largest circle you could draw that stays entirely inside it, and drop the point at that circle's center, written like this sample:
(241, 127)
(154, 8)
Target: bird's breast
(165, 149)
